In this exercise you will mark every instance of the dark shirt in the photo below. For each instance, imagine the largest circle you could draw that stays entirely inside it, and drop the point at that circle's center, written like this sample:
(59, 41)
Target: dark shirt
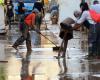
(86, 24)
(10, 10)
(20, 8)
(38, 5)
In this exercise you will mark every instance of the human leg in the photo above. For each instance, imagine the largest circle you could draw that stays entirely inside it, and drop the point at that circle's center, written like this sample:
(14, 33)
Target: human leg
(28, 42)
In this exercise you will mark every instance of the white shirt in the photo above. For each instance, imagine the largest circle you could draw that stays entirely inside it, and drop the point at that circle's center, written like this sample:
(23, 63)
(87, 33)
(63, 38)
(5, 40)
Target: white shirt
(96, 7)
(85, 16)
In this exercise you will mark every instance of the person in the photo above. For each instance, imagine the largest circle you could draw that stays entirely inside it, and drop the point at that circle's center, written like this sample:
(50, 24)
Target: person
(94, 31)
(21, 7)
(10, 13)
(27, 23)
(54, 10)
(96, 6)
(39, 6)
(77, 15)
(66, 34)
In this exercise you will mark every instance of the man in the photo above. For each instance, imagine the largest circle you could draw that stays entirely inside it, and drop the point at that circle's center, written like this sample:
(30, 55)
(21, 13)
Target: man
(94, 31)
(96, 6)
(27, 23)
(10, 13)
(21, 7)
(39, 5)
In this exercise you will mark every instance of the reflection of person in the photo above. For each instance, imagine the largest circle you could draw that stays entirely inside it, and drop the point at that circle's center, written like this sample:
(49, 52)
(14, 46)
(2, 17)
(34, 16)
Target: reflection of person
(62, 74)
(25, 68)
(21, 7)
(63, 66)
(94, 31)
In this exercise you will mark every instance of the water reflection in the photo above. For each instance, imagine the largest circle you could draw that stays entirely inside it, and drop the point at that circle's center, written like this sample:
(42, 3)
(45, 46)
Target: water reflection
(62, 65)
(25, 68)
(63, 69)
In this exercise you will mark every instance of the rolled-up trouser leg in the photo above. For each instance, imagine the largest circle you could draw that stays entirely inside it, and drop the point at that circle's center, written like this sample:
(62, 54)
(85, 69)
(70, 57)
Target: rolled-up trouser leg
(19, 41)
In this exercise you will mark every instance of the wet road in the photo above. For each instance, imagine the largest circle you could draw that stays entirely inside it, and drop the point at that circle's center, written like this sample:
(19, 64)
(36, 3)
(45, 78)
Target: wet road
(40, 64)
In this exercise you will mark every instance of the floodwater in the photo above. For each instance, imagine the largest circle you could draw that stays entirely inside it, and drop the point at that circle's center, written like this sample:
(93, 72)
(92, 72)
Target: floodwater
(40, 64)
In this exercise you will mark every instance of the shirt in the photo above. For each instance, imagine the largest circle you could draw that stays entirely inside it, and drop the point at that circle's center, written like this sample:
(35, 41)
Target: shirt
(38, 5)
(30, 19)
(96, 7)
(85, 16)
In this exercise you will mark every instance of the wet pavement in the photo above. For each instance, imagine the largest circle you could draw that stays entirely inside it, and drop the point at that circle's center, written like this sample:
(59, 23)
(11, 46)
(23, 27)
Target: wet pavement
(40, 64)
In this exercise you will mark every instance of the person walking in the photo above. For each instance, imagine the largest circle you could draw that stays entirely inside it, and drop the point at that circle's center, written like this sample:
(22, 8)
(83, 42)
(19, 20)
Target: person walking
(10, 13)
(94, 31)
(26, 23)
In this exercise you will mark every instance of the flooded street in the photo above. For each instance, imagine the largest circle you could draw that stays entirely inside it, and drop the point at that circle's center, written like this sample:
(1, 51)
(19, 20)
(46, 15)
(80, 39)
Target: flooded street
(40, 64)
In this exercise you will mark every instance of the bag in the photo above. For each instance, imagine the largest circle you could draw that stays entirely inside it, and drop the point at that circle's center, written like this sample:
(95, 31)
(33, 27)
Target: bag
(95, 16)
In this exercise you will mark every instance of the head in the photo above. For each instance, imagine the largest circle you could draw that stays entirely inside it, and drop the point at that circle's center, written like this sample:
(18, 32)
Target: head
(95, 2)
(84, 6)
(35, 11)
(77, 14)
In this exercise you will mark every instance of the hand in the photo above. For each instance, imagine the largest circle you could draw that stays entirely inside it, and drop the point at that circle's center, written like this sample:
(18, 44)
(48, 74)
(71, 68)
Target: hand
(76, 26)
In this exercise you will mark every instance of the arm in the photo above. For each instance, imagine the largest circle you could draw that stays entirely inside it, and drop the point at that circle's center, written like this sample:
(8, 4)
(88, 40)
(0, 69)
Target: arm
(33, 20)
(81, 20)
(76, 26)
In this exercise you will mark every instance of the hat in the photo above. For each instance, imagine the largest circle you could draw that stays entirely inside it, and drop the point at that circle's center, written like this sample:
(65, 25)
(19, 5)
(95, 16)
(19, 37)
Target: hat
(35, 10)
